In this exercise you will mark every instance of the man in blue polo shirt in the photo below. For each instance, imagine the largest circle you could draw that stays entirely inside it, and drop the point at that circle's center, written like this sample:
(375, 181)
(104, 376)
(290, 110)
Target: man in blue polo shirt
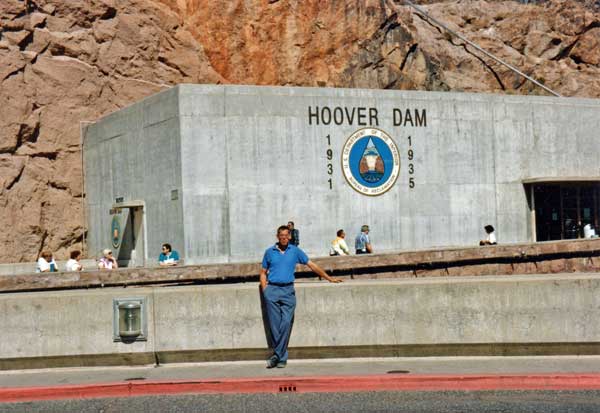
(277, 284)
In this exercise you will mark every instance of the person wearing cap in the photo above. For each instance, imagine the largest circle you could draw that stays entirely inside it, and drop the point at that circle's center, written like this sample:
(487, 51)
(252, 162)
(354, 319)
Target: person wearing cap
(277, 286)
(107, 262)
(362, 243)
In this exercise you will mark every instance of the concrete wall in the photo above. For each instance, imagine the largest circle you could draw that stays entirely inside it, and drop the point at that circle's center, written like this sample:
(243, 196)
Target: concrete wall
(436, 311)
(134, 154)
(253, 158)
(469, 161)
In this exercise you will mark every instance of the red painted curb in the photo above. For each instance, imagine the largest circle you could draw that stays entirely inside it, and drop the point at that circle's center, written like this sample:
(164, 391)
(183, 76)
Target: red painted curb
(566, 381)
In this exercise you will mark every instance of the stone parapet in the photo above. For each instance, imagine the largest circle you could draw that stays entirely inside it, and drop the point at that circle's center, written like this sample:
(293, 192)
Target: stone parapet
(536, 258)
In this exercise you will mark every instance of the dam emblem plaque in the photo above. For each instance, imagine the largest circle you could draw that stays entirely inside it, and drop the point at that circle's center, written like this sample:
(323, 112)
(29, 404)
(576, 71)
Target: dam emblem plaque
(370, 161)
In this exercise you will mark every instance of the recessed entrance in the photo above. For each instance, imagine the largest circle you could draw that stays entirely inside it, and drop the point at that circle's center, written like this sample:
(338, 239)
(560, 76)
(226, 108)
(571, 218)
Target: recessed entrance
(564, 209)
(132, 251)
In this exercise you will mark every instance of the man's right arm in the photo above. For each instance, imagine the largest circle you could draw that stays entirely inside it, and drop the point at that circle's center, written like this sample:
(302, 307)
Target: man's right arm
(263, 279)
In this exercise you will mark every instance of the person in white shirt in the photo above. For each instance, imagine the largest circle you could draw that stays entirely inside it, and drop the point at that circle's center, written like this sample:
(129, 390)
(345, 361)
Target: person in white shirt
(338, 245)
(73, 264)
(46, 263)
(491, 236)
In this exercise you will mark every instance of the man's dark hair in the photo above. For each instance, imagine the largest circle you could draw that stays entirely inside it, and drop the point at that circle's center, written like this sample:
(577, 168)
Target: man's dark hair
(168, 246)
(282, 228)
(340, 232)
(489, 229)
(291, 222)
(75, 254)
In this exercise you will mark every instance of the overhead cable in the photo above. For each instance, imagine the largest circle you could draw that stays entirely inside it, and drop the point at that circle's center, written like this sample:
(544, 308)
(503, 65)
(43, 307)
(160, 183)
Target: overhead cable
(426, 15)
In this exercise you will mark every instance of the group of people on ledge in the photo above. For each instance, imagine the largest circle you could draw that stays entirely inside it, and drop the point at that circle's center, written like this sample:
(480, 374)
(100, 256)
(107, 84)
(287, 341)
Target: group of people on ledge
(46, 263)
(362, 243)
(169, 257)
(338, 246)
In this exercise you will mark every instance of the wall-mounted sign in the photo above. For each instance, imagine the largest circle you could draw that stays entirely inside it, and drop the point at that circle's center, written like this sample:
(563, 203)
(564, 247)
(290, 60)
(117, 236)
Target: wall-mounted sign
(115, 231)
(370, 161)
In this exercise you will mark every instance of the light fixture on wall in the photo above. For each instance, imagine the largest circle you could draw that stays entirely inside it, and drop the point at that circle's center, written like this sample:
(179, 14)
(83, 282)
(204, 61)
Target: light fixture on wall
(129, 319)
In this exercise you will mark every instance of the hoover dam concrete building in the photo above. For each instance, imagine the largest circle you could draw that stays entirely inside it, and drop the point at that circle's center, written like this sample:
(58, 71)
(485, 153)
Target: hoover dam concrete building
(215, 169)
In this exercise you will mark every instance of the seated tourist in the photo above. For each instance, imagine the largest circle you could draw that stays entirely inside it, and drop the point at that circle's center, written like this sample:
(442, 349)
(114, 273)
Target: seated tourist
(491, 236)
(362, 242)
(46, 263)
(168, 257)
(107, 262)
(73, 264)
(338, 245)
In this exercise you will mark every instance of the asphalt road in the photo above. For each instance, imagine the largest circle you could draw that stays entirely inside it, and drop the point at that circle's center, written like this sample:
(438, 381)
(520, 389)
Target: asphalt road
(413, 402)
(438, 401)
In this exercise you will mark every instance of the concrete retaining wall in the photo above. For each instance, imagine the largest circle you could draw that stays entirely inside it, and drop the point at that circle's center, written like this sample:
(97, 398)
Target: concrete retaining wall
(225, 321)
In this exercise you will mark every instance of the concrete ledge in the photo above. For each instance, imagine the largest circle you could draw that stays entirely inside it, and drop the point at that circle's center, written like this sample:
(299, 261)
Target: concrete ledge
(538, 258)
(29, 267)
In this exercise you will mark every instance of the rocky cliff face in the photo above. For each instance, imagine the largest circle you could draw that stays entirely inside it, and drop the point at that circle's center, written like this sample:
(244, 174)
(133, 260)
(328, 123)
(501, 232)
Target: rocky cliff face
(63, 63)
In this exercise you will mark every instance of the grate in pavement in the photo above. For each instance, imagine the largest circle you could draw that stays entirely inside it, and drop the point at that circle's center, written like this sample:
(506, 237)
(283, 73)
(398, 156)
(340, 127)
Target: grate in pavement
(287, 388)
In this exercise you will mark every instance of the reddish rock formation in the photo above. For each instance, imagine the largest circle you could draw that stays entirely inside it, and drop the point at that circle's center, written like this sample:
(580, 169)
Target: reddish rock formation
(63, 63)
(67, 62)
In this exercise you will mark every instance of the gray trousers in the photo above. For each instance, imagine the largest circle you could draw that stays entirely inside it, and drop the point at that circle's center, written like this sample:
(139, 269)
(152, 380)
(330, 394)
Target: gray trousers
(280, 304)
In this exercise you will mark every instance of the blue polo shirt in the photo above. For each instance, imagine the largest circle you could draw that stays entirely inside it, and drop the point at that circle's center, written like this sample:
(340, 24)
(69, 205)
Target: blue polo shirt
(281, 266)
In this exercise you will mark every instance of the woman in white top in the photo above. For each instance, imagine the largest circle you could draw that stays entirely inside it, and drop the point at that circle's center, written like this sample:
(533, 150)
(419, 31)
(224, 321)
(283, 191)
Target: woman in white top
(73, 264)
(491, 236)
(338, 245)
(107, 262)
(46, 263)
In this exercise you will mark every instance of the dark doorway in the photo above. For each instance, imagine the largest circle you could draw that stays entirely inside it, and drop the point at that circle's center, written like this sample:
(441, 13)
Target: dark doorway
(562, 210)
(131, 253)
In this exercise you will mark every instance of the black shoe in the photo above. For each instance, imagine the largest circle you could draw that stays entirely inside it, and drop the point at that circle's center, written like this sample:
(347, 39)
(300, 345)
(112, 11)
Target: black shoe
(272, 362)
(281, 364)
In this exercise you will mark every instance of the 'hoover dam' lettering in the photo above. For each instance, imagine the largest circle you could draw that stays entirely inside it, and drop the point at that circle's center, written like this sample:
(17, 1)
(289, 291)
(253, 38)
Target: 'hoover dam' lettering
(364, 116)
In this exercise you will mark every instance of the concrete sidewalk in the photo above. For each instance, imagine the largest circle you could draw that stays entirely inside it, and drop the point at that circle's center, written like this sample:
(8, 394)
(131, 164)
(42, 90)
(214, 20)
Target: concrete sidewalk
(329, 375)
